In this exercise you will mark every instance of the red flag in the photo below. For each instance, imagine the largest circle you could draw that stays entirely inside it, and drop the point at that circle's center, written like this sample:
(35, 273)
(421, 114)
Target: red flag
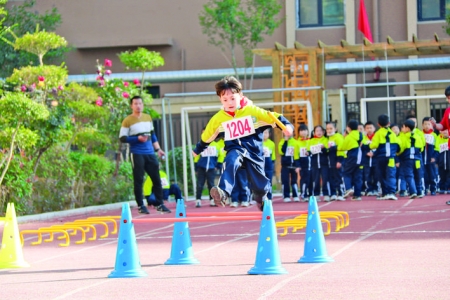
(363, 21)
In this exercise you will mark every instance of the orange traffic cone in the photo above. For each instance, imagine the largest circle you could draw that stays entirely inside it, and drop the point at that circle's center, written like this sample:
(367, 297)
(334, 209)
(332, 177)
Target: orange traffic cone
(11, 255)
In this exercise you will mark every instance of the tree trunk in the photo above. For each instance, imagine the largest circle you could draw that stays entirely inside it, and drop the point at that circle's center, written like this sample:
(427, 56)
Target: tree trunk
(11, 151)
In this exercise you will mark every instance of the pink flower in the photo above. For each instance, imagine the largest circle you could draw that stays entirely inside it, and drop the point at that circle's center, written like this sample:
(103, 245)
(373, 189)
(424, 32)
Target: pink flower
(126, 84)
(100, 77)
(125, 95)
(41, 78)
(99, 101)
(61, 88)
(101, 83)
(118, 89)
(108, 63)
(23, 88)
(108, 72)
(136, 82)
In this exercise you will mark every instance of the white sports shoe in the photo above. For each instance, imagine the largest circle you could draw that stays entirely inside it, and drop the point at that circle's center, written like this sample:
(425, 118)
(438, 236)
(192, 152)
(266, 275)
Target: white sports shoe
(287, 200)
(244, 204)
(234, 204)
(296, 199)
(390, 197)
(326, 198)
(198, 203)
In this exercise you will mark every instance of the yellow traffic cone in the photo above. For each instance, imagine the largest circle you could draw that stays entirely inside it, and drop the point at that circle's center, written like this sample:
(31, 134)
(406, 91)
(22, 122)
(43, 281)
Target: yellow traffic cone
(11, 251)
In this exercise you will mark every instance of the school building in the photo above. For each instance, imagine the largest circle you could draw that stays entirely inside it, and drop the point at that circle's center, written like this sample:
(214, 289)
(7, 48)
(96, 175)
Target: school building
(100, 29)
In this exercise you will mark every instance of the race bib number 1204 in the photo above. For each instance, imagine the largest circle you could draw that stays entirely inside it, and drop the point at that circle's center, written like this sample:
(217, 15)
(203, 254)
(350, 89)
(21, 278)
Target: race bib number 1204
(238, 128)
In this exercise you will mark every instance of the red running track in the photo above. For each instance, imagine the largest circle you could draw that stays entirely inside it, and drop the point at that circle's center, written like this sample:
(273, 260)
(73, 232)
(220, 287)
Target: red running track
(391, 250)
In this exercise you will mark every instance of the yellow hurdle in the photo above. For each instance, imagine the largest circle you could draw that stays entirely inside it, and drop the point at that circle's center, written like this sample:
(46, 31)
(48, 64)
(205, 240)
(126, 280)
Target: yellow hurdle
(108, 219)
(298, 224)
(342, 220)
(40, 231)
(68, 227)
(87, 228)
(95, 222)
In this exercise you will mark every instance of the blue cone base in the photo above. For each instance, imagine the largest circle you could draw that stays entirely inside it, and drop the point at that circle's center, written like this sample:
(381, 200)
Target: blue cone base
(267, 271)
(127, 274)
(315, 259)
(181, 261)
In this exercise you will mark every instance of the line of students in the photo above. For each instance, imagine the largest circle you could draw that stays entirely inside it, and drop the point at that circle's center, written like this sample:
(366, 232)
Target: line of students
(383, 162)
(378, 163)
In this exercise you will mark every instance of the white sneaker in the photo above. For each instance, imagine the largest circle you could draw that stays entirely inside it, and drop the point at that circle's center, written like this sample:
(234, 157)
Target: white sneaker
(333, 198)
(212, 203)
(390, 197)
(348, 193)
(306, 199)
(198, 203)
(287, 200)
(340, 198)
(244, 204)
(326, 198)
(234, 204)
(228, 201)
(296, 199)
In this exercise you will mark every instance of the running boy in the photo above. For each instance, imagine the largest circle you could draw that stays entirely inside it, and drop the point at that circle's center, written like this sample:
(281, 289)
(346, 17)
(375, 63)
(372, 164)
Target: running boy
(242, 126)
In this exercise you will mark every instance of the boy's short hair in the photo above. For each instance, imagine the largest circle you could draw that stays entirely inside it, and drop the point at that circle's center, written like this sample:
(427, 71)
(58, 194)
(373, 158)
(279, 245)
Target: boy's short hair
(228, 83)
(393, 125)
(410, 124)
(383, 120)
(353, 124)
(302, 127)
(369, 123)
(426, 119)
(411, 117)
(135, 97)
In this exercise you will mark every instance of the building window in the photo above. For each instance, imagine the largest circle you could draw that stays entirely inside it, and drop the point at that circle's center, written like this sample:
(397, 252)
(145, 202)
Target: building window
(428, 10)
(317, 13)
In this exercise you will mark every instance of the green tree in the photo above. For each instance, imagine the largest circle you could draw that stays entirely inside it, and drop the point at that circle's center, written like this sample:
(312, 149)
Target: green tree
(21, 19)
(141, 60)
(232, 24)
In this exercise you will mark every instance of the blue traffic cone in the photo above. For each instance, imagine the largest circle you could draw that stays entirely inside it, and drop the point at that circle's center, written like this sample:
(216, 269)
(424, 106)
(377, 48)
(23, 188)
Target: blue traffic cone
(127, 256)
(268, 260)
(181, 253)
(315, 249)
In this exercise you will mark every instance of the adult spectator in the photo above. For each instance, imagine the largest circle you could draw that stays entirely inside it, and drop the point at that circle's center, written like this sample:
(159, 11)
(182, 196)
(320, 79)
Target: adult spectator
(137, 130)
